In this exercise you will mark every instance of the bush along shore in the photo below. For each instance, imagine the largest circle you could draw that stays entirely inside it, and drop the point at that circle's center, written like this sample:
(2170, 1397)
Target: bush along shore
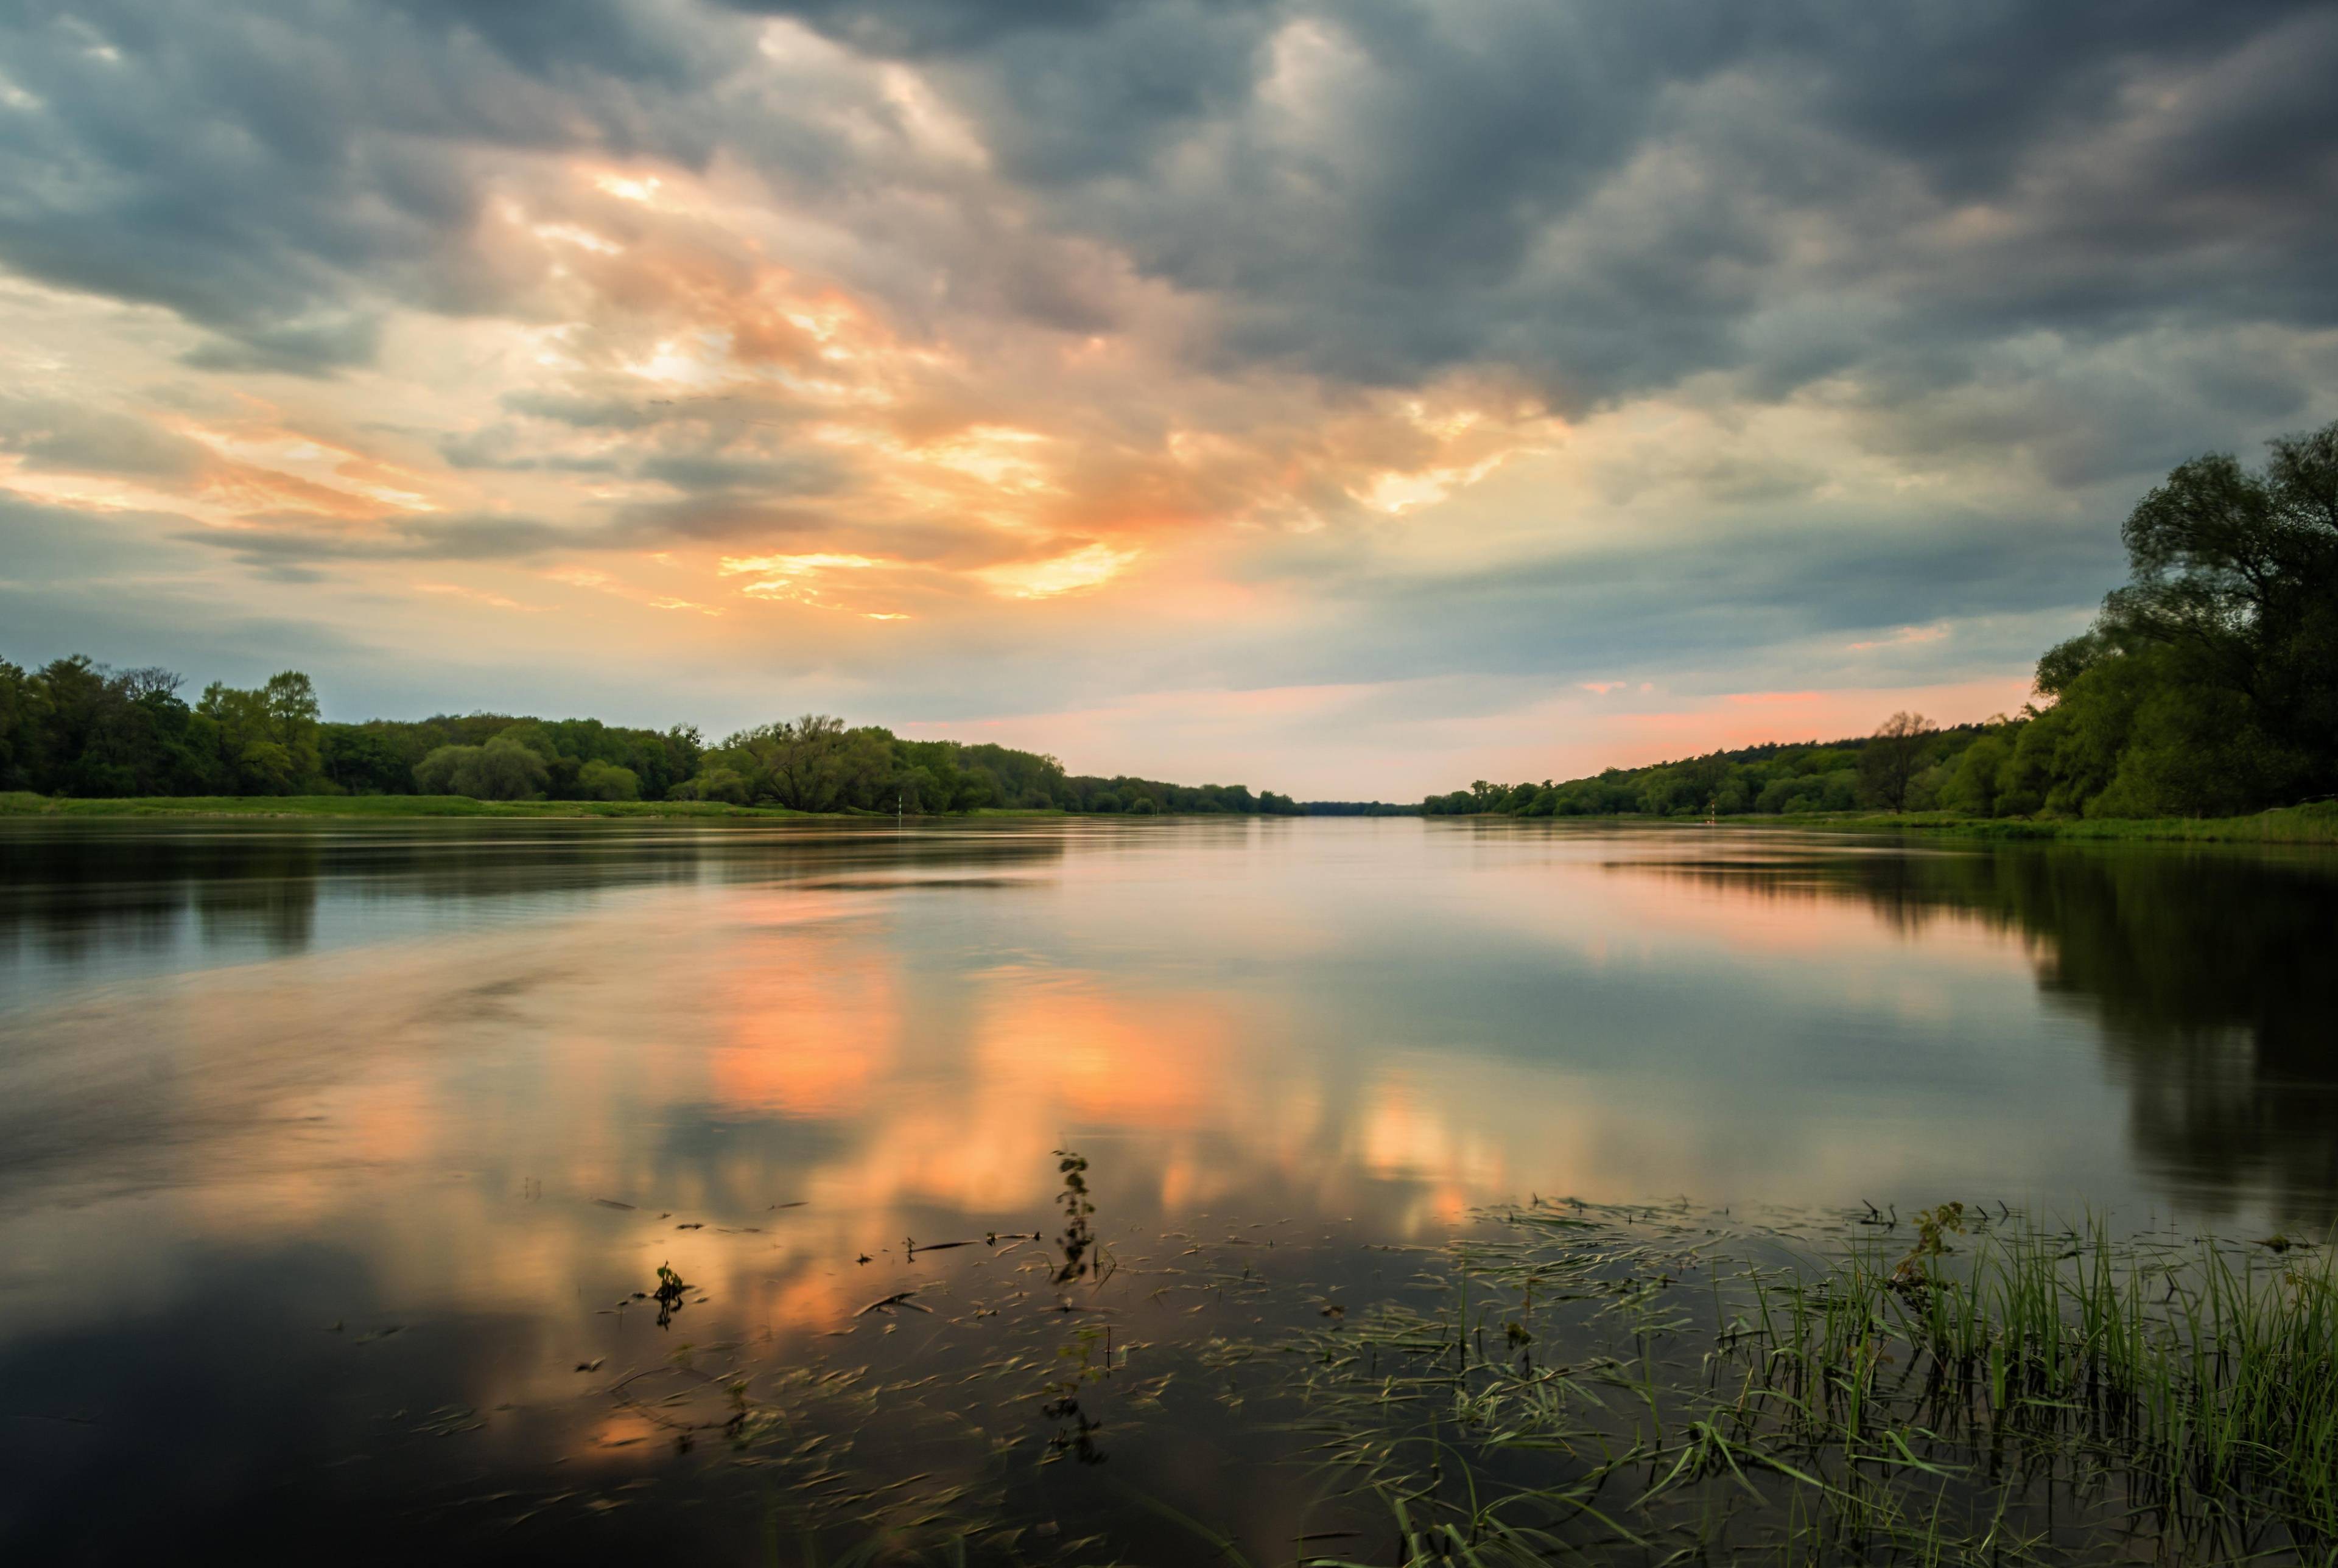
(21, 803)
(80, 730)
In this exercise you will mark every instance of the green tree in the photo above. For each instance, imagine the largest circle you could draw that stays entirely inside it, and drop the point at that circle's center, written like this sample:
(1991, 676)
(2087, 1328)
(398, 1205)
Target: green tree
(1893, 757)
(365, 760)
(1972, 786)
(267, 737)
(2209, 682)
(290, 701)
(19, 727)
(598, 780)
(502, 769)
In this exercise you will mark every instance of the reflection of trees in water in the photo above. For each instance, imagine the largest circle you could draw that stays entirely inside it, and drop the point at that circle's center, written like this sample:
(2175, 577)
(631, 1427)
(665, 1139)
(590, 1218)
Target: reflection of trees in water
(107, 887)
(2213, 976)
(269, 898)
(75, 898)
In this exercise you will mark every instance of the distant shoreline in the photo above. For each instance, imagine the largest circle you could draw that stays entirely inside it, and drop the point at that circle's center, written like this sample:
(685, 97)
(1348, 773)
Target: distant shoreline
(21, 804)
(2314, 824)
(25, 804)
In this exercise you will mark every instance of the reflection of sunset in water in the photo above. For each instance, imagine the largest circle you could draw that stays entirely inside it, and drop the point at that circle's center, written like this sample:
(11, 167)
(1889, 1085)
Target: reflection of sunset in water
(1153, 1063)
(806, 1035)
(498, 1102)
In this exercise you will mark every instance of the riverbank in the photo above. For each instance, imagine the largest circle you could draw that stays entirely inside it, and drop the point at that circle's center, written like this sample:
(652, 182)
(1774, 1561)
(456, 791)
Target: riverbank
(2314, 824)
(21, 804)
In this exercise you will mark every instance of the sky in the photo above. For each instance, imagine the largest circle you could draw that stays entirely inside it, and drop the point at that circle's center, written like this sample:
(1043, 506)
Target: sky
(1348, 398)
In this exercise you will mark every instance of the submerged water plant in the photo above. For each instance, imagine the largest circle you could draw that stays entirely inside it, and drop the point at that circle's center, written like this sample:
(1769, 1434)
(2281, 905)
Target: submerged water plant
(1561, 1381)
(671, 1289)
(2049, 1394)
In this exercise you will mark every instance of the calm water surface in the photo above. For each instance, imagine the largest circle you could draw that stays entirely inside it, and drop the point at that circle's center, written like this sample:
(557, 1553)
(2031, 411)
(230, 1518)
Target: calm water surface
(331, 1157)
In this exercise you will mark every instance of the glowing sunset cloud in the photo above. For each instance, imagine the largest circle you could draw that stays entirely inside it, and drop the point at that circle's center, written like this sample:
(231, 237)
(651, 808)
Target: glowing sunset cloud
(1341, 401)
(1090, 566)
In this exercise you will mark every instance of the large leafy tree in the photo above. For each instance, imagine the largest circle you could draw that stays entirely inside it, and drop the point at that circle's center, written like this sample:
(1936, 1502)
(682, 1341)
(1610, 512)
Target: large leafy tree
(269, 736)
(2209, 682)
(1892, 757)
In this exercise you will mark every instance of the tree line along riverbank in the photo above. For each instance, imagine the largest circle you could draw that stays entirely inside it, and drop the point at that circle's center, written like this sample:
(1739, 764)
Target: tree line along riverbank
(2206, 687)
(82, 737)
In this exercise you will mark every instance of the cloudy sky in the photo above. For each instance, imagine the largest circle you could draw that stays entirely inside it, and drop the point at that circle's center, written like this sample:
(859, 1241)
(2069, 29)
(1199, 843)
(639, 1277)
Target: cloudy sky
(1351, 397)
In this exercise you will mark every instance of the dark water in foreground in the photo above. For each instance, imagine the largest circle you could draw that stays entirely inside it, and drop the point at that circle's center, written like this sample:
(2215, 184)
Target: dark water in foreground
(331, 1157)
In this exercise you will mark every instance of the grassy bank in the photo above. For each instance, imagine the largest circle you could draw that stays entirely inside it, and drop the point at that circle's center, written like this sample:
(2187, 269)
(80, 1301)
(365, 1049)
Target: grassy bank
(2316, 824)
(20, 804)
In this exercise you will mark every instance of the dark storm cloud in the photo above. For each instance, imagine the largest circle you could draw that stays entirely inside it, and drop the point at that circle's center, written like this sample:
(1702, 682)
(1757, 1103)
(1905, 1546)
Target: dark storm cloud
(918, 29)
(1609, 197)
(1615, 197)
(2071, 242)
(266, 170)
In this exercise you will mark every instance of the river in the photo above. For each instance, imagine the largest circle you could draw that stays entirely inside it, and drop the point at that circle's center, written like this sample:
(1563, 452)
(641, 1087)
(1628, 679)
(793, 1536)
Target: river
(337, 1161)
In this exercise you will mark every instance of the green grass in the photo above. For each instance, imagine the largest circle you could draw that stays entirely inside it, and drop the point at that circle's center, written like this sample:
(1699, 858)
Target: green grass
(21, 804)
(1566, 1382)
(2314, 824)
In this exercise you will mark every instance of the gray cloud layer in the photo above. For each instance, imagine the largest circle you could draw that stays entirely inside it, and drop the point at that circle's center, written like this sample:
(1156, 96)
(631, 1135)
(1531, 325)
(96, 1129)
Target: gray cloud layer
(1612, 197)
(2090, 232)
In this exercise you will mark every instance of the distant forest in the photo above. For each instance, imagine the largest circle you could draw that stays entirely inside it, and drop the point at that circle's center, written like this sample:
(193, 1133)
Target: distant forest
(78, 727)
(2206, 687)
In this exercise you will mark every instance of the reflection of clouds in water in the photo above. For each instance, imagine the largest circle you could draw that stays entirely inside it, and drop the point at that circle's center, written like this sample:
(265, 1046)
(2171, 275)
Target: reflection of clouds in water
(1233, 1026)
(1290, 1032)
(1398, 1135)
(1156, 1061)
(806, 1034)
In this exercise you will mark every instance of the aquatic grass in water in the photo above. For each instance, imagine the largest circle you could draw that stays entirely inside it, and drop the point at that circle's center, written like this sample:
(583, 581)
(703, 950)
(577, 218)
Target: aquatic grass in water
(1556, 1382)
(1606, 1382)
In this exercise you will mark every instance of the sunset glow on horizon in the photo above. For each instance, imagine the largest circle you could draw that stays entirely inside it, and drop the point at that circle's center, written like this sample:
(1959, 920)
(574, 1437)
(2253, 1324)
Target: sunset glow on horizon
(1345, 401)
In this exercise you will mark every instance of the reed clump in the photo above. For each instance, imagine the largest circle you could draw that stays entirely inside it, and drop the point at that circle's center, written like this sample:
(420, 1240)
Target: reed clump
(2212, 1379)
(1607, 1382)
